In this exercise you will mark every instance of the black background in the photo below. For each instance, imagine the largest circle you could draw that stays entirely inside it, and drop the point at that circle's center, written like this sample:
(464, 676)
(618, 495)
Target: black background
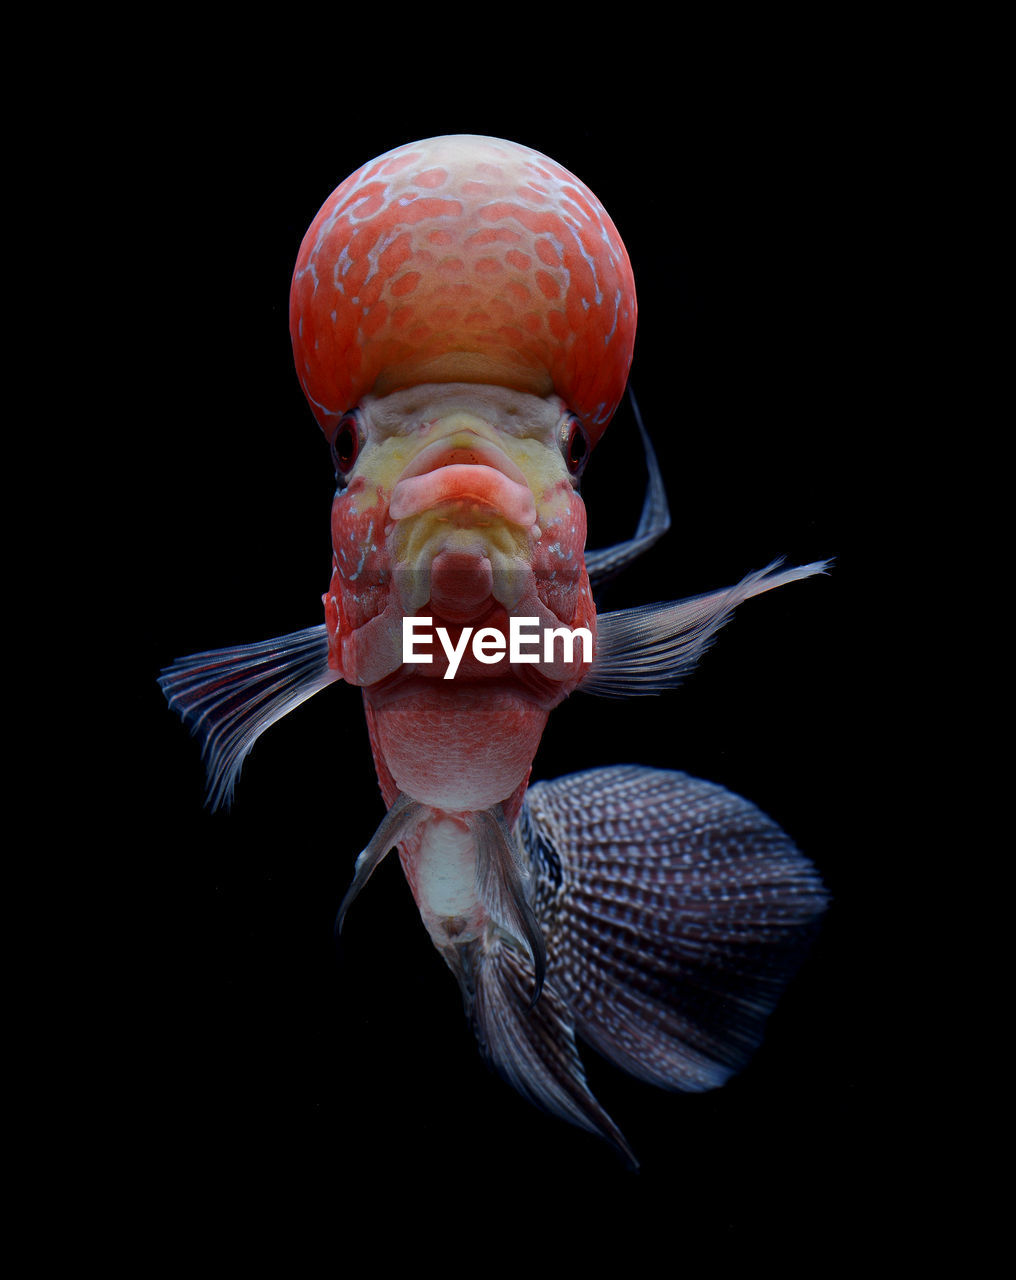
(278, 1077)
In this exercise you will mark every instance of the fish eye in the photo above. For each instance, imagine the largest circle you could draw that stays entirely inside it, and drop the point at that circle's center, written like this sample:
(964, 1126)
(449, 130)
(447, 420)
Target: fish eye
(574, 444)
(345, 444)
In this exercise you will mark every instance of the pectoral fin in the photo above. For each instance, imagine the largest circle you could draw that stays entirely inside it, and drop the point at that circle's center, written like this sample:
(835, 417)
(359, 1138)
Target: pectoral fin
(404, 814)
(653, 647)
(229, 697)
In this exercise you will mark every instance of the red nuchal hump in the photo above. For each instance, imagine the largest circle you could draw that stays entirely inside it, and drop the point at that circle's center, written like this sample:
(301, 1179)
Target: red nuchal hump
(463, 259)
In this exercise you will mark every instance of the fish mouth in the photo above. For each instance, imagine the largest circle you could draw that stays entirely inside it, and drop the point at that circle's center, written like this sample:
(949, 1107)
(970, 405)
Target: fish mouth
(467, 469)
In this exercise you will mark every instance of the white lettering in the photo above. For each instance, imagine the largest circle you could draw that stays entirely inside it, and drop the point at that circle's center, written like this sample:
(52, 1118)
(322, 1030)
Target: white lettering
(568, 637)
(516, 639)
(454, 652)
(410, 639)
(488, 644)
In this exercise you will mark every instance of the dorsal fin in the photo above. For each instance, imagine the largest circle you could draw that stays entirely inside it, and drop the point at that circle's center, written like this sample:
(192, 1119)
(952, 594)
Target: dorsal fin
(603, 564)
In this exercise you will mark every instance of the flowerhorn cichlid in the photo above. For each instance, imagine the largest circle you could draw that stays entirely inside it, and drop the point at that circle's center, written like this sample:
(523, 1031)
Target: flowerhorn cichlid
(463, 318)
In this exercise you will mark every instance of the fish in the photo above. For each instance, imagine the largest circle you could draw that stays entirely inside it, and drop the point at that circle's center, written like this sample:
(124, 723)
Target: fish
(463, 317)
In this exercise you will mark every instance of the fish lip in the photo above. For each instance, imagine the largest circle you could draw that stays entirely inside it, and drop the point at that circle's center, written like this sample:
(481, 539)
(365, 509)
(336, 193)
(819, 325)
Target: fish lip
(505, 489)
(442, 453)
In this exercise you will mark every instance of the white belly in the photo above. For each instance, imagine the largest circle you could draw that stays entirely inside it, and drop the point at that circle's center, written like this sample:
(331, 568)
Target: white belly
(446, 881)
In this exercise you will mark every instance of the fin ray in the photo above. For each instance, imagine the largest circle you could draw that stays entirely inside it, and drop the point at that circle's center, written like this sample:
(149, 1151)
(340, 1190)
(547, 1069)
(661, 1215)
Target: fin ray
(533, 1048)
(653, 647)
(229, 697)
(393, 827)
(500, 880)
(674, 912)
(654, 521)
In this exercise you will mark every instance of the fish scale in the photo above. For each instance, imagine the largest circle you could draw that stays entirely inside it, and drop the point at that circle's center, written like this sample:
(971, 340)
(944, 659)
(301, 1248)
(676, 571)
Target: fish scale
(463, 315)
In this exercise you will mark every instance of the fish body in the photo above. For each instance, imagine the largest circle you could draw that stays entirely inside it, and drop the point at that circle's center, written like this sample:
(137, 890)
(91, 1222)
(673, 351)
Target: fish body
(468, 544)
(463, 316)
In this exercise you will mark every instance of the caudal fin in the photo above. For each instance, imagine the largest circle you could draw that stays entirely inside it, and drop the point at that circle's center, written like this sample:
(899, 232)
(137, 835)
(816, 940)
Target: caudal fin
(674, 914)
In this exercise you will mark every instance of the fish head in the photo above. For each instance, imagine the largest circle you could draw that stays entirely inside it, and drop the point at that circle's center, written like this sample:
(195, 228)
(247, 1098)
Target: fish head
(463, 259)
(457, 502)
(463, 317)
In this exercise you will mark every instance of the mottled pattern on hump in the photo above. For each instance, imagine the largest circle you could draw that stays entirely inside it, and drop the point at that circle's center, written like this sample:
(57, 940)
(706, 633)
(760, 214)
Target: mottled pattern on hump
(463, 259)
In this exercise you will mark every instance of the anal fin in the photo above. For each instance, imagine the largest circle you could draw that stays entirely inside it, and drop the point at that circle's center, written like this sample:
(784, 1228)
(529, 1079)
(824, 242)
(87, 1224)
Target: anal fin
(532, 1047)
(501, 878)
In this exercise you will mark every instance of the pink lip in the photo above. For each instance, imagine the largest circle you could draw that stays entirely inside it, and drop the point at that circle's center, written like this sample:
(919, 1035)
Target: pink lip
(479, 472)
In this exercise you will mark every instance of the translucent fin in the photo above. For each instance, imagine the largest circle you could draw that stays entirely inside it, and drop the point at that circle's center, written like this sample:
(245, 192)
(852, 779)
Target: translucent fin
(229, 697)
(532, 1048)
(674, 914)
(500, 882)
(653, 647)
(653, 523)
(396, 823)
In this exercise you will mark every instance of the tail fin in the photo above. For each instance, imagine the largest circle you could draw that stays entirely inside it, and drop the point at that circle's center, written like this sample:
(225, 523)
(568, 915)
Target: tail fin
(674, 912)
